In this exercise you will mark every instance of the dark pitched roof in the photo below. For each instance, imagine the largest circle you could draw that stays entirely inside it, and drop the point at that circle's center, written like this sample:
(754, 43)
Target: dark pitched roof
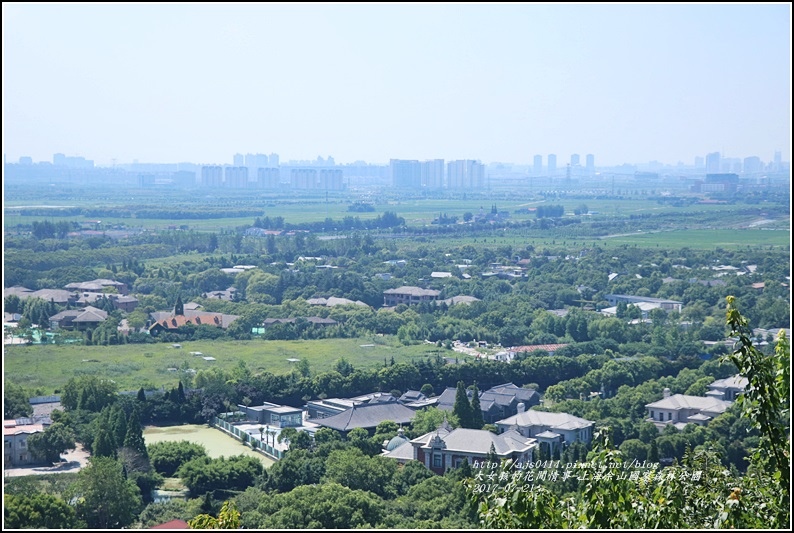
(368, 416)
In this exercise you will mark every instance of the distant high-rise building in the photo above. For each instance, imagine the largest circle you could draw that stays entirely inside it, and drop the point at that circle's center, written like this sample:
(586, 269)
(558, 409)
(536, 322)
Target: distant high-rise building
(590, 163)
(552, 166)
(406, 173)
(574, 160)
(778, 161)
(713, 163)
(330, 179)
(303, 178)
(537, 165)
(59, 160)
(465, 174)
(237, 160)
(432, 174)
(236, 177)
(25, 160)
(268, 178)
(752, 165)
(273, 161)
(212, 176)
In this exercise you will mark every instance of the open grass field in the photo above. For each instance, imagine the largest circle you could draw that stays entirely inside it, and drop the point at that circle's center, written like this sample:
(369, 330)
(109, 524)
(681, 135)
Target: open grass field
(215, 441)
(49, 367)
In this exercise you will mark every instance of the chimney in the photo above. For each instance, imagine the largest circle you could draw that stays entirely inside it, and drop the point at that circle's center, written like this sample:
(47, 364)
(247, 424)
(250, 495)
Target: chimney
(666, 392)
(521, 407)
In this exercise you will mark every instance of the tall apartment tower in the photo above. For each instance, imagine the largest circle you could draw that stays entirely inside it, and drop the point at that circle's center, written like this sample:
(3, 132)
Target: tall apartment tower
(552, 166)
(267, 178)
(537, 165)
(778, 161)
(432, 174)
(238, 160)
(713, 163)
(212, 176)
(465, 174)
(236, 177)
(406, 173)
(574, 160)
(273, 161)
(589, 163)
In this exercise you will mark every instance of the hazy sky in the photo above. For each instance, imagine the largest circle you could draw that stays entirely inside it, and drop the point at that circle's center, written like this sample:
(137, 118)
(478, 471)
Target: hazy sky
(199, 83)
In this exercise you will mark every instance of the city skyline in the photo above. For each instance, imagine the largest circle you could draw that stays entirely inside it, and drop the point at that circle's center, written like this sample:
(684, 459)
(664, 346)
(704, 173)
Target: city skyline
(496, 83)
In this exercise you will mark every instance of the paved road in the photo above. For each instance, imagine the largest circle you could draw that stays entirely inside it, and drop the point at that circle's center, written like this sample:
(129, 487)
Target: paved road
(75, 460)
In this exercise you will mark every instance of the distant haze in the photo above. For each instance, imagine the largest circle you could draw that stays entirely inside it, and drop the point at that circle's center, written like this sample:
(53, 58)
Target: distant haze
(504, 82)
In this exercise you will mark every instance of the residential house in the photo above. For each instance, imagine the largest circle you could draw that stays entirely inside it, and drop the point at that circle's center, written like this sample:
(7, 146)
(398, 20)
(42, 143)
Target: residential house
(682, 409)
(729, 388)
(168, 321)
(408, 295)
(496, 403)
(555, 429)
(97, 285)
(16, 452)
(271, 414)
(333, 301)
(80, 319)
(333, 406)
(446, 448)
(368, 416)
(661, 303)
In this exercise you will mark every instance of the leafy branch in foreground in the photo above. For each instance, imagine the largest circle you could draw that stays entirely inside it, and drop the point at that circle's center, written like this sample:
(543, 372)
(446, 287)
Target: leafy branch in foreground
(697, 493)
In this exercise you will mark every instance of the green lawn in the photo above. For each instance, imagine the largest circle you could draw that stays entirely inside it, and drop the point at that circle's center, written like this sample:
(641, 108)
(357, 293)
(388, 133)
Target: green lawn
(49, 367)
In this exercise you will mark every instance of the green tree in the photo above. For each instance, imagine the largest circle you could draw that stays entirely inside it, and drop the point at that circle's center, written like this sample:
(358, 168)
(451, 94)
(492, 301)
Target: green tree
(462, 408)
(134, 437)
(759, 499)
(477, 421)
(166, 457)
(16, 402)
(104, 445)
(52, 442)
(228, 518)
(105, 499)
(37, 511)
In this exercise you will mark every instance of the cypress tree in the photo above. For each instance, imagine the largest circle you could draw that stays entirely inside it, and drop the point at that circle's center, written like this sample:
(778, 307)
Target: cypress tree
(477, 421)
(103, 444)
(462, 407)
(134, 437)
(119, 424)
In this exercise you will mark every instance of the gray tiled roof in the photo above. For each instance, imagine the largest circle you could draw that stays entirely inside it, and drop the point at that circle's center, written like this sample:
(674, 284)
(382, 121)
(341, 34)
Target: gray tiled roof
(368, 416)
(560, 421)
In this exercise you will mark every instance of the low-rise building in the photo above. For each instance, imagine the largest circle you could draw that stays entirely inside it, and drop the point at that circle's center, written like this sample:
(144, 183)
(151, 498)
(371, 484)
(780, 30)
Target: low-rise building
(556, 429)
(728, 389)
(16, 452)
(271, 414)
(409, 295)
(446, 448)
(683, 409)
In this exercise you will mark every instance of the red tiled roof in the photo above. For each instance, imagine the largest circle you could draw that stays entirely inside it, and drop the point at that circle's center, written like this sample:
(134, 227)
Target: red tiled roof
(173, 524)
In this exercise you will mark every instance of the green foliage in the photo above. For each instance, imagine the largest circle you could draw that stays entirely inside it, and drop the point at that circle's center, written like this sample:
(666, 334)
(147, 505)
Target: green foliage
(462, 408)
(105, 499)
(204, 474)
(37, 511)
(477, 421)
(326, 506)
(670, 498)
(134, 437)
(353, 469)
(166, 457)
(89, 393)
(52, 442)
(16, 401)
(228, 518)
